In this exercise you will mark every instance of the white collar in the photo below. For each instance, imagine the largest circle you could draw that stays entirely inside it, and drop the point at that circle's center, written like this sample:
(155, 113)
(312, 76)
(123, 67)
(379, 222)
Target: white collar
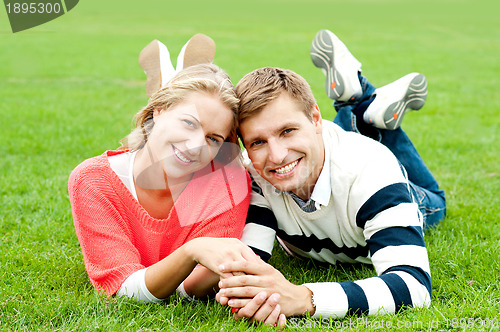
(323, 188)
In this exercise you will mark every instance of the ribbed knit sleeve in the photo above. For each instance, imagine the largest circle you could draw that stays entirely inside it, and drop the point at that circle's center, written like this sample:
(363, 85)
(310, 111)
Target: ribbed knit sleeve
(118, 237)
(104, 236)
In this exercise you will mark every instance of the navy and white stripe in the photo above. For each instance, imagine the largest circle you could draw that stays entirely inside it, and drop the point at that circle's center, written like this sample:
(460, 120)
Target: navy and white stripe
(260, 227)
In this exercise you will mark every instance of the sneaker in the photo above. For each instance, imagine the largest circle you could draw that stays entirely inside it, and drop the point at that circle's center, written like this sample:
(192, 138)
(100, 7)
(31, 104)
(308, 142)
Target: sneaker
(395, 99)
(154, 59)
(199, 49)
(338, 64)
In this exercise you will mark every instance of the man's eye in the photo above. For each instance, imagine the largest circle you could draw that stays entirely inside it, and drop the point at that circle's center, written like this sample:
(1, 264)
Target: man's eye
(214, 140)
(287, 131)
(189, 123)
(256, 143)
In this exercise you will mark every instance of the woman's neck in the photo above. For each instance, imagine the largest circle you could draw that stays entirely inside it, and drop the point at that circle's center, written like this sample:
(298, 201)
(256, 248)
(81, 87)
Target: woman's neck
(156, 191)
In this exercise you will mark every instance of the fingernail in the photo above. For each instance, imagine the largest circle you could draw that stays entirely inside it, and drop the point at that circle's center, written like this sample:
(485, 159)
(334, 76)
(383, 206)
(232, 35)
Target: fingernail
(221, 267)
(233, 310)
(220, 284)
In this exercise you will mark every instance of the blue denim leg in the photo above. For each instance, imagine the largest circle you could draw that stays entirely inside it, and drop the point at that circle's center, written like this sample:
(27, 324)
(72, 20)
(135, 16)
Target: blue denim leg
(425, 189)
(345, 118)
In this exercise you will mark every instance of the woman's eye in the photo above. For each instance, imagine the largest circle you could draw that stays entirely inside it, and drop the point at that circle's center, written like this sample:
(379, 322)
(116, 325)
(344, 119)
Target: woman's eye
(287, 131)
(189, 123)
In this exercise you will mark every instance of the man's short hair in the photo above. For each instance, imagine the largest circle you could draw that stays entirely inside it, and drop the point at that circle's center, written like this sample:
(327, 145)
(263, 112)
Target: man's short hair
(262, 86)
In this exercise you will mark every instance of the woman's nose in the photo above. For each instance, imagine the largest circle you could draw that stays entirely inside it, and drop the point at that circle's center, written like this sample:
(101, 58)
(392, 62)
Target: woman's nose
(196, 143)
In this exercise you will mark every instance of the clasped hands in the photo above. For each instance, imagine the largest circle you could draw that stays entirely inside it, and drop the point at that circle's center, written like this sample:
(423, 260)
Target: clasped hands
(254, 289)
(258, 292)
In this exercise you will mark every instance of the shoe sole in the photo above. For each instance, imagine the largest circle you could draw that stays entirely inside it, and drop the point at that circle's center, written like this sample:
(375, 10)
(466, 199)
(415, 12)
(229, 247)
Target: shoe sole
(199, 49)
(323, 53)
(322, 56)
(149, 60)
(413, 99)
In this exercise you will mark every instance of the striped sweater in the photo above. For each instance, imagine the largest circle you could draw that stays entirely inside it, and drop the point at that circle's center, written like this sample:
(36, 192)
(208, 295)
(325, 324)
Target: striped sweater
(371, 218)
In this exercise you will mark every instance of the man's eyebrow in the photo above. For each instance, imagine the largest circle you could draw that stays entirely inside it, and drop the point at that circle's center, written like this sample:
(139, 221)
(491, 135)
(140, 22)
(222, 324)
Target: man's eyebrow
(218, 135)
(274, 131)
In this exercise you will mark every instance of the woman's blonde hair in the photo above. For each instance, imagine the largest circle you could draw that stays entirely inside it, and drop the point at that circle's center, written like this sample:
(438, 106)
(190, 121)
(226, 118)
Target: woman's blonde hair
(202, 78)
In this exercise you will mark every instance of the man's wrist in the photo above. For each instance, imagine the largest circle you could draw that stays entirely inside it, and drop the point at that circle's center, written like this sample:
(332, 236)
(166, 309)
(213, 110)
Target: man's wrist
(309, 308)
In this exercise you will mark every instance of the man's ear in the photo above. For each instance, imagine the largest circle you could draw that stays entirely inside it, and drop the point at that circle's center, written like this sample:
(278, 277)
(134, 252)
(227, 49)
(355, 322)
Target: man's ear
(156, 112)
(317, 120)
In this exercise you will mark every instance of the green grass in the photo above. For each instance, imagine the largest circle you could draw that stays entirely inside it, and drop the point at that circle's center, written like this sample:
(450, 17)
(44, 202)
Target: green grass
(69, 88)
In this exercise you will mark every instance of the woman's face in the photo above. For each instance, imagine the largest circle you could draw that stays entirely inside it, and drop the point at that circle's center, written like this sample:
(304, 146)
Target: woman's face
(186, 137)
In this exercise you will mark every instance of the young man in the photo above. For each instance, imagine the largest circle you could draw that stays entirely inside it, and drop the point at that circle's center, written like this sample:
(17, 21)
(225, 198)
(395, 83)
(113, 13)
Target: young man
(335, 195)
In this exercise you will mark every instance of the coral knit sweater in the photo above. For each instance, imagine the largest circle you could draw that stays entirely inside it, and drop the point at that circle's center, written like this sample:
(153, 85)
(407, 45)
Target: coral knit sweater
(119, 237)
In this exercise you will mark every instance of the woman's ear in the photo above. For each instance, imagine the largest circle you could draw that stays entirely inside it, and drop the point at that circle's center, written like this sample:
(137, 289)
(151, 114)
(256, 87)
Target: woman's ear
(156, 112)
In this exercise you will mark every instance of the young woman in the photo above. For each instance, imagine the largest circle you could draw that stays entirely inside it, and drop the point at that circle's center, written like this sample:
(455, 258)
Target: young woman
(166, 209)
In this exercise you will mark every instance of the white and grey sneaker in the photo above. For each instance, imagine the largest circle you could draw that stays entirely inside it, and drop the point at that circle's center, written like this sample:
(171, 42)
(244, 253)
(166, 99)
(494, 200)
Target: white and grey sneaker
(341, 68)
(393, 100)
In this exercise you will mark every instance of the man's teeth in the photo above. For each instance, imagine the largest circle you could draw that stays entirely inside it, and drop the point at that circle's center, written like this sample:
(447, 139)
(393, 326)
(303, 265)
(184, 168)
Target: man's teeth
(181, 157)
(287, 168)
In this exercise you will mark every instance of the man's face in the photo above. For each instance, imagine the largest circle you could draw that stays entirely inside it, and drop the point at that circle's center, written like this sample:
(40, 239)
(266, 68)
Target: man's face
(285, 146)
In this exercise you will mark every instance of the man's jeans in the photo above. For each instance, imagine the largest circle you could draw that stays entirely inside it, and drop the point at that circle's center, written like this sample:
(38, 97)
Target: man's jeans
(425, 189)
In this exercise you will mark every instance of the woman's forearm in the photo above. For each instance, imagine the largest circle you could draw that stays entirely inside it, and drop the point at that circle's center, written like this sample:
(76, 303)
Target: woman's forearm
(164, 277)
(201, 283)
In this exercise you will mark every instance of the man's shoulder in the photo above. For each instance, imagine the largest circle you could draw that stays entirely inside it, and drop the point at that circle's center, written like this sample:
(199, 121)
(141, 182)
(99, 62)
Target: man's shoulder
(349, 149)
(348, 139)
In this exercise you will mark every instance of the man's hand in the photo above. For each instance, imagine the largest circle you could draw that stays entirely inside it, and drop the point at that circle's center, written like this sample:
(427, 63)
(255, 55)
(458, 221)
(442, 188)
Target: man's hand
(241, 291)
(262, 309)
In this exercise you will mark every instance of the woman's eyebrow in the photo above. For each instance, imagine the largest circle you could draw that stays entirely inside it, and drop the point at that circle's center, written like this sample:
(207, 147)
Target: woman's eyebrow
(193, 117)
(199, 123)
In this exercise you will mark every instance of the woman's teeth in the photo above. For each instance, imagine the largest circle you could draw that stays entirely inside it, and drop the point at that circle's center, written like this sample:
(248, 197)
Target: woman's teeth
(182, 157)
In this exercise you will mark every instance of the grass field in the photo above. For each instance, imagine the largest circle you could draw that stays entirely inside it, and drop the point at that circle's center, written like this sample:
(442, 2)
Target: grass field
(69, 88)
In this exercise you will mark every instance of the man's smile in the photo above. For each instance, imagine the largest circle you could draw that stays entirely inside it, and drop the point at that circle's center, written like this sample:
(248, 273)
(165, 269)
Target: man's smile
(287, 169)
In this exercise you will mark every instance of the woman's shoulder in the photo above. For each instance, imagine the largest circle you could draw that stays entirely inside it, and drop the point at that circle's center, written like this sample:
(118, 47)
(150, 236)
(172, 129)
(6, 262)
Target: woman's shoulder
(93, 170)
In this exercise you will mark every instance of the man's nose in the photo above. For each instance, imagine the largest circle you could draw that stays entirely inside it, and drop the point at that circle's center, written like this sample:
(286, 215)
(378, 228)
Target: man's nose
(277, 152)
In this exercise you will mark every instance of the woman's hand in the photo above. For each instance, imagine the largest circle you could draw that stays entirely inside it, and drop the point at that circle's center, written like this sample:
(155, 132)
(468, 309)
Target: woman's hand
(213, 252)
(163, 277)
